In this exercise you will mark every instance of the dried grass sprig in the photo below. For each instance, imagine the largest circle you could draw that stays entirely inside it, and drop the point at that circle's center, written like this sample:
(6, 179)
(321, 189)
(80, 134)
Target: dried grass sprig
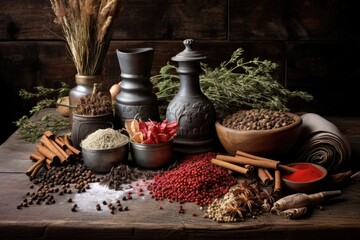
(87, 27)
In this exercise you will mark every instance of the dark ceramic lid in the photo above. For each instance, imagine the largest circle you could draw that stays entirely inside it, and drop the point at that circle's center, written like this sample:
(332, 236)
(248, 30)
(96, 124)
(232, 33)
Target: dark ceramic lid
(188, 54)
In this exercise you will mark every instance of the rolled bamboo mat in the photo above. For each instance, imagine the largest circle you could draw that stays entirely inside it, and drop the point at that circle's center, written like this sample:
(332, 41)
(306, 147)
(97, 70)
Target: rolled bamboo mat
(322, 142)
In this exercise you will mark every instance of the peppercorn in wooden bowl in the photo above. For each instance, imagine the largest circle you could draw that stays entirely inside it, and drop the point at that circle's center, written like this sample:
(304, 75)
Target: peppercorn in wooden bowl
(259, 132)
(308, 178)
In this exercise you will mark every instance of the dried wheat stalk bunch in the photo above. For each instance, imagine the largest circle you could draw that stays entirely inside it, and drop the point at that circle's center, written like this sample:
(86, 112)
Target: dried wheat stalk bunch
(87, 26)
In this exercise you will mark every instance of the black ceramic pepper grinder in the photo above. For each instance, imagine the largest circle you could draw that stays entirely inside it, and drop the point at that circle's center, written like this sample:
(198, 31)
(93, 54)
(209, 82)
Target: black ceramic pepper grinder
(194, 112)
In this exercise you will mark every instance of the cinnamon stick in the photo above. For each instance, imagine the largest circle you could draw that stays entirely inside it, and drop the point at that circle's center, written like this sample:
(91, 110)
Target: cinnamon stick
(49, 134)
(248, 155)
(64, 156)
(280, 166)
(46, 142)
(37, 156)
(34, 166)
(250, 167)
(263, 176)
(49, 163)
(230, 166)
(272, 164)
(68, 145)
(277, 184)
(36, 170)
(268, 174)
(46, 152)
(60, 142)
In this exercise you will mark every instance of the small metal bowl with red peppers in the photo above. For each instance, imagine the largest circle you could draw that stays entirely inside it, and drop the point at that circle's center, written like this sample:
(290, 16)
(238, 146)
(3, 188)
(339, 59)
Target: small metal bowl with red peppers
(151, 142)
(308, 178)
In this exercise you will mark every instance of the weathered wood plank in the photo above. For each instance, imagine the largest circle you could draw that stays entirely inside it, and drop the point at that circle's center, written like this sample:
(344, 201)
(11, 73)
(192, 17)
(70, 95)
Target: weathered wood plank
(326, 71)
(145, 19)
(288, 20)
(47, 63)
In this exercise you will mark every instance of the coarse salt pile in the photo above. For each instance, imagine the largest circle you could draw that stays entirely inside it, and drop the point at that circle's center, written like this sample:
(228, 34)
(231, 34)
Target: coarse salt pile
(196, 179)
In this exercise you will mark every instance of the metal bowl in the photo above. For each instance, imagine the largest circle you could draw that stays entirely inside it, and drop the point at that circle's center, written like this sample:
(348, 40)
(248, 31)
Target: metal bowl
(151, 155)
(306, 187)
(102, 160)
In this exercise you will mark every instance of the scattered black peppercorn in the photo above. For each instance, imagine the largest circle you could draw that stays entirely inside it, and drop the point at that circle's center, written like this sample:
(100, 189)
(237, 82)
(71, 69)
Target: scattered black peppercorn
(98, 207)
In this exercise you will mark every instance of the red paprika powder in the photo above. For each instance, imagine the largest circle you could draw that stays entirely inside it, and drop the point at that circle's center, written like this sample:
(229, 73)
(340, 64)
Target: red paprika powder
(305, 173)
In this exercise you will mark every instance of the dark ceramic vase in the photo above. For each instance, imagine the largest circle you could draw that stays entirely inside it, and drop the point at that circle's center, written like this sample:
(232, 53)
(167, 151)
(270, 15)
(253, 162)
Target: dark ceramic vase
(194, 112)
(136, 98)
(83, 125)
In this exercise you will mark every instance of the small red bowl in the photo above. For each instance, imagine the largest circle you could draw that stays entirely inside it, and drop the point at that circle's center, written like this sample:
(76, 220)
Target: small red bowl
(308, 186)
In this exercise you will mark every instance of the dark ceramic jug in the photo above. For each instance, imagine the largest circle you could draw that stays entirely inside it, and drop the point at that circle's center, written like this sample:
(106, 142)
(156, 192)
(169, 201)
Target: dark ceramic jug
(194, 112)
(136, 98)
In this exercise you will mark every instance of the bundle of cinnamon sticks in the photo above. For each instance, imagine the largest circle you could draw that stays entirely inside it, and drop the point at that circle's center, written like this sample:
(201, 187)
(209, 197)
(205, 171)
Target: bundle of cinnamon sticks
(51, 151)
(246, 163)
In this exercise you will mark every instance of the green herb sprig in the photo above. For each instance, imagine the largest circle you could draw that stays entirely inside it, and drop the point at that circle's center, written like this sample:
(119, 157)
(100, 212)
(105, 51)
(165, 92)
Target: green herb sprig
(32, 129)
(235, 84)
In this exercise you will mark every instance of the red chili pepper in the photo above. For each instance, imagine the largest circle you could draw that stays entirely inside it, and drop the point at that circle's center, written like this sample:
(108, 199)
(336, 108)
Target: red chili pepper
(143, 128)
(171, 133)
(151, 123)
(173, 124)
(149, 141)
(162, 125)
(163, 137)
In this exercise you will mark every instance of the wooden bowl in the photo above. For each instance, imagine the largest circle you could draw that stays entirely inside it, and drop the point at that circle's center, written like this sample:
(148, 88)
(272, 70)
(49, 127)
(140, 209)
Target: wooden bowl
(272, 142)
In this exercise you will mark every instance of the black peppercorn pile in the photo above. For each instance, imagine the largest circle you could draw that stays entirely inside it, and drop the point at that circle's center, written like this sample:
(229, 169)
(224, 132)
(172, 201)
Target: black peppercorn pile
(58, 181)
(257, 119)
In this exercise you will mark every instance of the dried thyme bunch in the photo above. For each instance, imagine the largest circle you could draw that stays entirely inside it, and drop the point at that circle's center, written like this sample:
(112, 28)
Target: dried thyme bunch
(32, 129)
(234, 84)
(87, 26)
(95, 104)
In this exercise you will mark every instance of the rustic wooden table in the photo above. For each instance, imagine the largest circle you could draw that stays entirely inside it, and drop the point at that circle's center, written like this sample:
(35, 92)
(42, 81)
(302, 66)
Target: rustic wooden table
(339, 220)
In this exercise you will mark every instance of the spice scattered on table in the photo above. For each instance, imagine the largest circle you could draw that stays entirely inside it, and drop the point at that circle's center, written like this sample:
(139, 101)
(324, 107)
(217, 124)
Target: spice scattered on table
(195, 179)
(246, 200)
(124, 174)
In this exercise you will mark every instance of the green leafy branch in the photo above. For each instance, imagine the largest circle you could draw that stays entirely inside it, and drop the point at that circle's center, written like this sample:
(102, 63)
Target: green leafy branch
(31, 129)
(235, 84)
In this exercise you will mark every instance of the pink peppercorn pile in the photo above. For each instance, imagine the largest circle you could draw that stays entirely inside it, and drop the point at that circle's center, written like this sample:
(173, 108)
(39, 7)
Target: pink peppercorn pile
(194, 180)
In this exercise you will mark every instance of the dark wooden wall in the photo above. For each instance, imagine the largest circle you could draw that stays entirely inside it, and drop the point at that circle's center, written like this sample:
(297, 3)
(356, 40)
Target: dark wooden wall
(315, 43)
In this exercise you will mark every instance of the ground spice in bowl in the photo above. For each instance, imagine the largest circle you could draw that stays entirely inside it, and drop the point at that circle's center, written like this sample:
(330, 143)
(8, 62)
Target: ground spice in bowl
(305, 173)
(308, 178)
